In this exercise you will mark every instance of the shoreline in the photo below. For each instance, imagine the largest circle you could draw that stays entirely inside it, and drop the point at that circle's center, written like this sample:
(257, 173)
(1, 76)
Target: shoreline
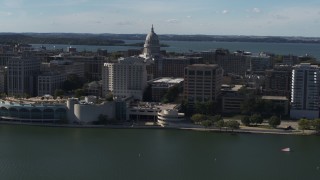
(242, 130)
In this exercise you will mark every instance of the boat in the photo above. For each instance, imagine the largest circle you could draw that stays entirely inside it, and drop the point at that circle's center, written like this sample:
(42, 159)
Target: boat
(285, 149)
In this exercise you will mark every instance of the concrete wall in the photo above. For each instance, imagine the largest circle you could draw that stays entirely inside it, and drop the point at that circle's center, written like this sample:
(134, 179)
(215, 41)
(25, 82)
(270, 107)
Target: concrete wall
(86, 113)
(298, 114)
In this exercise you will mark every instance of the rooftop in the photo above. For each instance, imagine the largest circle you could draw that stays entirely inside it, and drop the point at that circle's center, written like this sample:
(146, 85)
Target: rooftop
(283, 98)
(168, 80)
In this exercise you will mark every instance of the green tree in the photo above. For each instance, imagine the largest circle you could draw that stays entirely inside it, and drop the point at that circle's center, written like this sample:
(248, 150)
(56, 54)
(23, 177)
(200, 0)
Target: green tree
(209, 107)
(316, 125)
(184, 107)
(233, 124)
(216, 118)
(59, 93)
(274, 121)
(219, 124)
(109, 97)
(256, 119)
(205, 107)
(78, 93)
(248, 106)
(197, 118)
(304, 124)
(172, 94)
(206, 123)
(73, 82)
(200, 107)
(245, 120)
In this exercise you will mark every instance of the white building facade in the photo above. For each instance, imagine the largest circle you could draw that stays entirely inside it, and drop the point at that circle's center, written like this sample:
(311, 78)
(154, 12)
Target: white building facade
(305, 91)
(127, 78)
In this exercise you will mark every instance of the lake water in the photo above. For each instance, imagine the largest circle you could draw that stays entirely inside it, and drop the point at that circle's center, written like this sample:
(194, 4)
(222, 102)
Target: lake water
(28, 152)
(299, 49)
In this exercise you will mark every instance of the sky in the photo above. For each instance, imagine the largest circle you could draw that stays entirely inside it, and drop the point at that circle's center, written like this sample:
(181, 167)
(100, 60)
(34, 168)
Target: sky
(212, 17)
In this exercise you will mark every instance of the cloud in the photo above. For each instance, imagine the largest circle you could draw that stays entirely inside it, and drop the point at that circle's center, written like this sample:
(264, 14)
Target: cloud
(124, 23)
(280, 16)
(6, 13)
(256, 10)
(13, 3)
(189, 17)
(174, 21)
(225, 11)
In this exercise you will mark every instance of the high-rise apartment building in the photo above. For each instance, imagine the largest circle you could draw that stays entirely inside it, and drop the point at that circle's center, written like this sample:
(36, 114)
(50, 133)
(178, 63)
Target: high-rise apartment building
(127, 78)
(305, 91)
(202, 83)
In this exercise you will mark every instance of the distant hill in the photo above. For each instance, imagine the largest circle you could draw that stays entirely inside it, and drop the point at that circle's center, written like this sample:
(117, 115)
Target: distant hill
(72, 39)
(118, 39)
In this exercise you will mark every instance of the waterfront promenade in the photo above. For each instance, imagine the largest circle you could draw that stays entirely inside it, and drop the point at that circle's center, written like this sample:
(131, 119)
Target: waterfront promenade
(261, 129)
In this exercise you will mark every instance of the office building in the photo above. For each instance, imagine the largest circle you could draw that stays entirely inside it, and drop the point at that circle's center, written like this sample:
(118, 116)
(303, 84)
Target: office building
(278, 81)
(202, 83)
(22, 76)
(49, 82)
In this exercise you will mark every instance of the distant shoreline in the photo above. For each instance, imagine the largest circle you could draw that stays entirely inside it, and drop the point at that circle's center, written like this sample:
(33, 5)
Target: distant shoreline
(119, 39)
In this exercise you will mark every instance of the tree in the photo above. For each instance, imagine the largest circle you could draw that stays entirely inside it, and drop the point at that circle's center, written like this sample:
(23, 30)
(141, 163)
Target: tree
(304, 124)
(219, 124)
(205, 107)
(79, 93)
(206, 123)
(216, 118)
(73, 82)
(256, 119)
(247, 106)
(200, 107)
(197, 118)
(109, 97)
(316, 125)
(172, 94)
(245, 120)
(274, 121)
(209, 107)
(233, 124)
(58, 92)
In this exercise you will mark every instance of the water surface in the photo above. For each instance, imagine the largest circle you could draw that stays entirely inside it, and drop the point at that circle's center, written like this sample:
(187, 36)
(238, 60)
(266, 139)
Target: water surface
(28, 152)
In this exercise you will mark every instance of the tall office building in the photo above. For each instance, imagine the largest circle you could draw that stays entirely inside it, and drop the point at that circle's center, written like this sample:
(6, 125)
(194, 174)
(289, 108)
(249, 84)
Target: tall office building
(127, 78)
(202, 83)
(22, 75)
(305, 91)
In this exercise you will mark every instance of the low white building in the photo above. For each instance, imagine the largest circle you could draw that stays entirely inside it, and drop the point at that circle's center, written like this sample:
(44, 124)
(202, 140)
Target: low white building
(168, 116)
(87, 113)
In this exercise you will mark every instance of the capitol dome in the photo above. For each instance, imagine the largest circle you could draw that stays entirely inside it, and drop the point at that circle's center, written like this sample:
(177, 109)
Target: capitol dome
(151, 46)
